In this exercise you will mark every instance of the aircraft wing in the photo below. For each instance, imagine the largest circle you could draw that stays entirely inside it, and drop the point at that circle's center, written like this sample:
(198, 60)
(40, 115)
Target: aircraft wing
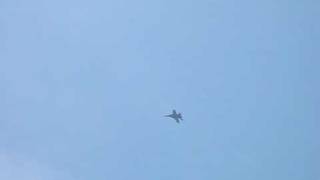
(174, 112)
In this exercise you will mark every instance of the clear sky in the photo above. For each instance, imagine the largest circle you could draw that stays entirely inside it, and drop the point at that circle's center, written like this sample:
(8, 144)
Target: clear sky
(84, 86)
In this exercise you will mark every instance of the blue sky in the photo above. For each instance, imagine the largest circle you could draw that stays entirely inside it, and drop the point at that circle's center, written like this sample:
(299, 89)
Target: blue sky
(84, 87)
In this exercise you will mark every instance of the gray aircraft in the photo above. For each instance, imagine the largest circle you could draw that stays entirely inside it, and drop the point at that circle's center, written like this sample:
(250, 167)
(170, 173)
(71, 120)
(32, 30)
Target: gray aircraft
(176, 116)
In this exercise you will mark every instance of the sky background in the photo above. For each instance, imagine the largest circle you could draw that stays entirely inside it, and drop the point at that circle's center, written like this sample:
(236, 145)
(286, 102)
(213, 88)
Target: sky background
(84, 86)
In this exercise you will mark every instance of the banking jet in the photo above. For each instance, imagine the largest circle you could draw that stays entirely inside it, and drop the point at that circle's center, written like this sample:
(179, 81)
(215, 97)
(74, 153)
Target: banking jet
(176, 116)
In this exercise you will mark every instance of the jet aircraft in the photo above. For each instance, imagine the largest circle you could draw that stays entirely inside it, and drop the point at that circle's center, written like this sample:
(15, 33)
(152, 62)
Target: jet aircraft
(176, 116)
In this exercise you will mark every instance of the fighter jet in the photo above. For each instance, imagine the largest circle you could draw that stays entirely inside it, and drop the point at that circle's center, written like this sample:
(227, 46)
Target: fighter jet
(175, 116)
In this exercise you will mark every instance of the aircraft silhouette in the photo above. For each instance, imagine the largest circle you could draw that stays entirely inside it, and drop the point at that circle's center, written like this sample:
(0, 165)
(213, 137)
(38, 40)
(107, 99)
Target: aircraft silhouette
(176, 116)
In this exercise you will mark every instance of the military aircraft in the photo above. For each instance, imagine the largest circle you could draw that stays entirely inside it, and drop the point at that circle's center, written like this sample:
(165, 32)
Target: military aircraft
(176, 116)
